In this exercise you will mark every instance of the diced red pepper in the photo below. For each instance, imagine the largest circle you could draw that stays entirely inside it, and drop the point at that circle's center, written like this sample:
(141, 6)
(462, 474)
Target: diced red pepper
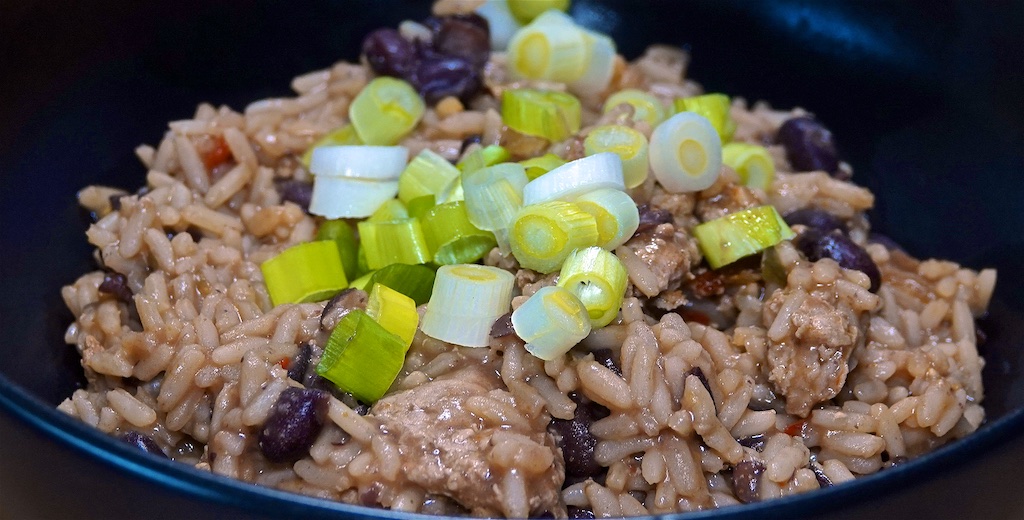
(218, 154)
(285, 363)
(795, 429)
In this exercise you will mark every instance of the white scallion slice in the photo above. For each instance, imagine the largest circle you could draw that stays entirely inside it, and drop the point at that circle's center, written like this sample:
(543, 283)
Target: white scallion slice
(427, 174)
(615, 213)
(378, 163)
(494, 195)
(345, 197)
(465, 302)
(501, 21)
(598, 278)
(685, 153)
(549, 48)
(600, 64)
(572, 179)
(629, 144)
(551, 322)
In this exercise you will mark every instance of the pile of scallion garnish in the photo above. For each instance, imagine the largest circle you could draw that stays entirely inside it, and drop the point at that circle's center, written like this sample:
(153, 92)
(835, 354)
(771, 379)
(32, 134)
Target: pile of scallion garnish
(422, 225)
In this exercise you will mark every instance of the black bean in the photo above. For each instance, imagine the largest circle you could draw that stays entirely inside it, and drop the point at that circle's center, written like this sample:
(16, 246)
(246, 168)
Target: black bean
(296, 191)
(818, 219)
(576, 441)
(746, 480)
(502, 326)
(820, 476)
(754, 442)
(652, 217)
(293, 424)
(116, 284)
(579, 512)
(471, 140)
(388, 53)
(438, 76)
(696, 371)
(809, 145)
(816, 245)
(300, 363)
(142, 442)
(465, 36)
(606, 357)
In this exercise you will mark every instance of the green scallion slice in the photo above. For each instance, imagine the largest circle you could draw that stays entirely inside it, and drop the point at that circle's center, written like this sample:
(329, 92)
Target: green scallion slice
(547, 114)
(736, 235)
(345, 238)
(427, 174)
(753, 163)
(414, 281)
(303, 273)
(385, 111)
(598, 278)
(394, 242)
(362, 357)
(452, 238)
(394, 311)
(543, 235)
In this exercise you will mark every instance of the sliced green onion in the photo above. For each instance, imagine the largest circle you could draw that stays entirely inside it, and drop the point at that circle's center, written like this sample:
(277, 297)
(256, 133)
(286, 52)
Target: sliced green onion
(392, 209)
(544, 234)
(376, 163)
(418, 206)
(395, 242)
(465, 302)
(452, 237)
(414, 281)
(483, 157)
(598, 278)
(715, 107)
(494, 196)
(736, 235)
(551, 322)
(553, 48)
(615, 213)
(537, 166)
(526, 10)
(646, 107)
(600, 64)
(685, 153)
(363, 282)
(427, 174)
(362, 357)
(345, 238)
(343, 135)
(752, 162)
(385, 111)
(394, 311)
(303, 273)
(601, 170)
(629, 144)
(548, 114)
(501, 22)
(345, 197)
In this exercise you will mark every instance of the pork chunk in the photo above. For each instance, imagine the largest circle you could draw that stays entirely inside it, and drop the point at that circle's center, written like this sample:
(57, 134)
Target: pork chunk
(449, 449)
(667, 253)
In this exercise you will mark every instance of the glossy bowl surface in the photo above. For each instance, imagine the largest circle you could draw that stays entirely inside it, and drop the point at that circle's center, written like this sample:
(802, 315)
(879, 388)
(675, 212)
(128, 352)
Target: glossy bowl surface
(926, 99)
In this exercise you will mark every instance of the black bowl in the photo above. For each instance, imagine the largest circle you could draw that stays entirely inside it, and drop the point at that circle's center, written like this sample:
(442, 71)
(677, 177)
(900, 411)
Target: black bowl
(924, 97)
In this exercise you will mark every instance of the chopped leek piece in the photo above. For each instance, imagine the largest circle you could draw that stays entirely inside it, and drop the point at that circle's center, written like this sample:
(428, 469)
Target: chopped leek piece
(526, 10)
(414, 281)
(395, 242)
(550, 48)
(385, 111)
(629, 144)
(685, 153)
(551, 322)
(370, 163)
(736, 235)
(646, 107)
(465, 302)
(598, 278)
(345, 238)
(751, 162)
(569, 181)
(343, 135)
(542, 235)
(362, 357)
(363, 282)
(452, 237)
(418, 206)
(615, 213)
(392, 209)
(600, 64)
(715, 107)
(501, 22)
(494, 196)
(427, 174)
(345, 197)
(483, 157)
(305, 272)
(548, 114)
(394, 311)
(537, 166)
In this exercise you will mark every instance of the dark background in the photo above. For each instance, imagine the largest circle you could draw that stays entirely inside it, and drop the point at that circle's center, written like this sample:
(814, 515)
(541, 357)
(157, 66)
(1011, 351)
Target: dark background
(925, 98)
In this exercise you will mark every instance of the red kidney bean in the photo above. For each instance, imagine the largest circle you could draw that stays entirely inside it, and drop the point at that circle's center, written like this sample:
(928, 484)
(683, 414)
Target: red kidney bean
(293, 424)
(746, 480)
(809, 145)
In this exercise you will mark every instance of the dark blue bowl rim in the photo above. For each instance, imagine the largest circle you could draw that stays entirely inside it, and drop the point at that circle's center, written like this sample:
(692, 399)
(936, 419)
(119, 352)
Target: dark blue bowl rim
(188, 481)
